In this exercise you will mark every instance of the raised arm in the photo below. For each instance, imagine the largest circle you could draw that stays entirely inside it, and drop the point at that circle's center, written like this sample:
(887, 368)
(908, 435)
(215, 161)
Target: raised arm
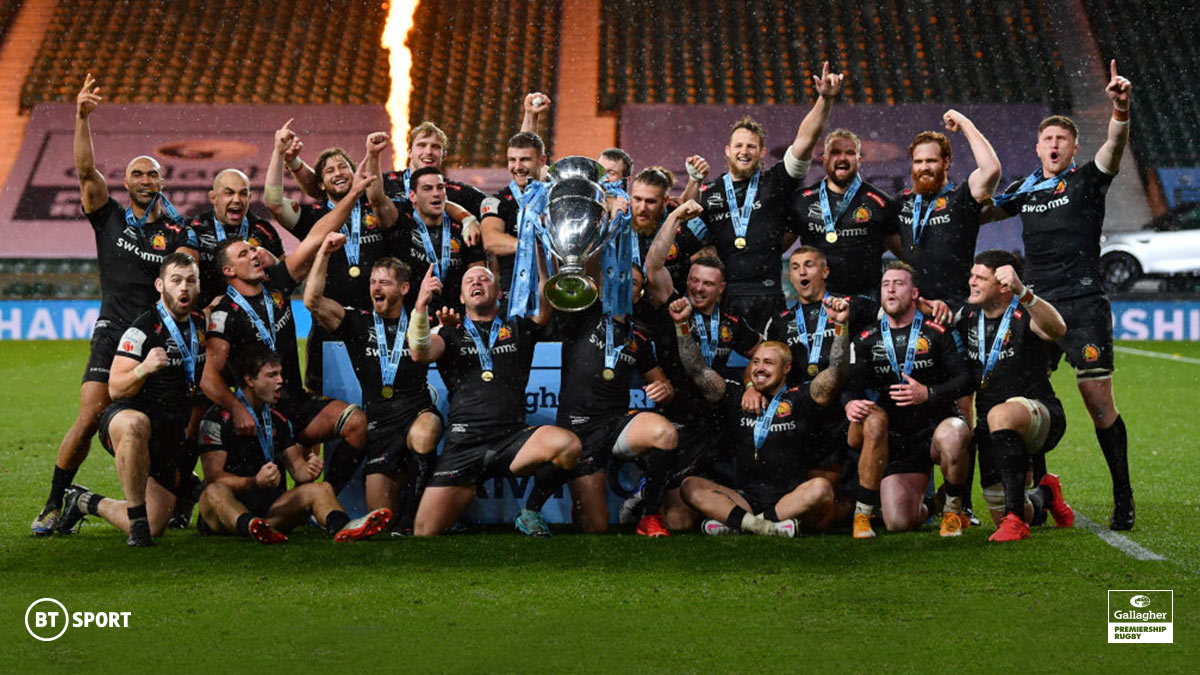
(697, 171)
(93, 191)
(300, 259)
(658, 280)
(1119, 90)
(710, 384)
(827, 85)
(827, 385)
(423, 347)
(1044, 318)
(536, 104)
(545, 309)
(495, 240)
(384, 208)
(329, 313)
(281, 208)
(986, 175)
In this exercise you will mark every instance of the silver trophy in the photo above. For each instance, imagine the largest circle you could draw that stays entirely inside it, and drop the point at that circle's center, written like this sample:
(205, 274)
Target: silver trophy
(579, 227)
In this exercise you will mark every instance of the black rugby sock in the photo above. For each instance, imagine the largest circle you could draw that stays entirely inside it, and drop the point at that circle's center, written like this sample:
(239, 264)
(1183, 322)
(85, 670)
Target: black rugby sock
(1040, 497)
(864, 496)
(335, 521)
(136, 513)
(734, 519)
(1114, 445)
(546, 480)
(59, 483)
(956, 495)
(93, 504)
(420, 468)
(972, 450)
(243, 524)
(1010, 453)
(770, 513)
(655, 465)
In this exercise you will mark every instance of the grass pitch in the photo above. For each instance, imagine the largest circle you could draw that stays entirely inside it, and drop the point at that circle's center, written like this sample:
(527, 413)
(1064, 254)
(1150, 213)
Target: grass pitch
(496, 601)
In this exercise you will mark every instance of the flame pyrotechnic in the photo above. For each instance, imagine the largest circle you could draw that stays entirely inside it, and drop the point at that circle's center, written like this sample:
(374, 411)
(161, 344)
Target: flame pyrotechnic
(399, 21)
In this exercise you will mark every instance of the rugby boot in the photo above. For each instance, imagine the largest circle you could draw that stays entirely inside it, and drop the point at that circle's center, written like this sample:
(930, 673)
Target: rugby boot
(1122, 515)
(1012, 528)
(366, 526)
(46, 522)
(1063, 515)
(715, 528)
(952, 524)
(971, 519)
(532, 523)
(789, 528)
(139, 534)
(181, 517)
(263, 533)
(630, 507)
(862, 526)
(74, 509)
(652, 526)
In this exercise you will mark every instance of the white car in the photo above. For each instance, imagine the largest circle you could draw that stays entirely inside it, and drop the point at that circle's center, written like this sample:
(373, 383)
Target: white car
(1168, 247)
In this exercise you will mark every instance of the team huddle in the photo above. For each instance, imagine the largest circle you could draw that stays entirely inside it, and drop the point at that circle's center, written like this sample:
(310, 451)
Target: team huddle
(880, 369)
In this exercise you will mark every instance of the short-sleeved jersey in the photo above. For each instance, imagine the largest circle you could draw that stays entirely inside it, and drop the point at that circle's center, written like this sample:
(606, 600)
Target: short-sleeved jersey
(1023, 365)
(855, 259)
(504, 206)
(129, 258)
(938, 363)
(789, 450)
(410, 248)
(243, 454)
(166, 392)
(679, 256)
(479, 410)
(375, 243)
(585, 395)
(259, 233)
(1061, 231)
(466, 196)
(946, 250)
(782, 328)
(409, 388)
(229, 322)
(756, 267)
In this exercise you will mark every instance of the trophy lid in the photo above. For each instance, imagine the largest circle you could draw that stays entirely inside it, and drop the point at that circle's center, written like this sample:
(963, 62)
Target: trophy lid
(577, 167)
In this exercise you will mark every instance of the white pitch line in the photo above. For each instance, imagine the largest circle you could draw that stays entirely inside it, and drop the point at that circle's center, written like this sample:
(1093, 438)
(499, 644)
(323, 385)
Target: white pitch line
(1157, 355)
(1120, 542)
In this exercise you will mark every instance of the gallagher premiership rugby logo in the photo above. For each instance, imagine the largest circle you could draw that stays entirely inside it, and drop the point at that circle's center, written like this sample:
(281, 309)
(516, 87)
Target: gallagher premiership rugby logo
(1141, 616)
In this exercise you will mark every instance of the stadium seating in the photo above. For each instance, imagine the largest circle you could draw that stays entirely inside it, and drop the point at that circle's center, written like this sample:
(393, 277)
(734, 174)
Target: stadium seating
(8, 11)
(1153, 50)
(23, 279)
(892, 51)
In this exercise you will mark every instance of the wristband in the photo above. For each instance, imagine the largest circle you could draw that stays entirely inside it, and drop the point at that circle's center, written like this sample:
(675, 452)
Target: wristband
(1120, 116)
(273, 194)
(682, 329)
(469, 220)
(418, 330)
(693, 172)
(137, 370)
(839, 329)
(295, 164)
(1032, 301)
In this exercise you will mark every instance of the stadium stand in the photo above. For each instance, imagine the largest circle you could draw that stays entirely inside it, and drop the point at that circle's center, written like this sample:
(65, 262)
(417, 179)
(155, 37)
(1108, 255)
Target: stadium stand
(1153, 50)
(8, 12)
(893, 51)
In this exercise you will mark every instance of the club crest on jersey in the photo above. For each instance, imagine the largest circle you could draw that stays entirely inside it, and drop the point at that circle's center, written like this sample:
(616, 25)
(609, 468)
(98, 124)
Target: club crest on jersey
(922, 345)
(1091, 353)
(253, 242)
(454, 245)
(862, 215)
(784, 409)
(158, 243)
(673, 253)
(1061, 187)
(939, 204)
(726, 334)
(277, 298)
(369, 221)
(504, 333)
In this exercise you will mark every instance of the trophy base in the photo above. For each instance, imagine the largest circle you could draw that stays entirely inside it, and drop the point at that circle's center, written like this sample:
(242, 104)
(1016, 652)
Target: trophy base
(570, 292)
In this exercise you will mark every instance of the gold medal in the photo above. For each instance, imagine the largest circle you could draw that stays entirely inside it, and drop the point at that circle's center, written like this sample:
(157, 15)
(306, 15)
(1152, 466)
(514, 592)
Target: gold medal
(608, 374)
(831, 237)
(740, 242)
(983, 384)
(354, 271)
(813, 369)
(486, 376)
(386, 392)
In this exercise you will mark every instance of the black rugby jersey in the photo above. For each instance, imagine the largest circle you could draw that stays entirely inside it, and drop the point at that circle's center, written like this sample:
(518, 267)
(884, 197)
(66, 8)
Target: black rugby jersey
(165, 393)
(486, 410)
(855, 259)
(789, 450)
(946, 250)
(937, 363)
(129, 258)
(243, 454)
(375, 244)
(585, 394)
(782, 328)
(410, 247)
(229, 322)
(259, 233)
(409, 388)
(756, 267)
(1022, 368)
(1061, 229)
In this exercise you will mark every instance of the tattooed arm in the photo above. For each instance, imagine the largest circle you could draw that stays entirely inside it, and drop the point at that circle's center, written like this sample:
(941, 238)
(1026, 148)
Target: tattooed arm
(828, 383)
(710, 384)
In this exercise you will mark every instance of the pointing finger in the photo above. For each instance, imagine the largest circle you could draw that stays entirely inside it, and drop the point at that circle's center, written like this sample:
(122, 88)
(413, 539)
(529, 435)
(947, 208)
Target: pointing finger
(1113, 68)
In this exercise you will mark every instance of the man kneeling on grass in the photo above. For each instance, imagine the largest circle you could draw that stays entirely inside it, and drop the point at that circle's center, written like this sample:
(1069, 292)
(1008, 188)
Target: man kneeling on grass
(247, 493)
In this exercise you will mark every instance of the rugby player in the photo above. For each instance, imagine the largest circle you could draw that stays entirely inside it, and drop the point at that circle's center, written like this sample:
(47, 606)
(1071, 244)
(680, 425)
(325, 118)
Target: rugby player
(131, 244)
(745, 209)
(152, 383)
(485, 362)
(781, 485)
(257, 308)
(849, 220)
(501, 214)
(246, 492)
(901, 403)
(940, 221)
(1062, 214)
(1010, 334)
(404, 425)
(427, 148)
(648, 206)
(600, 354)
(230, 217)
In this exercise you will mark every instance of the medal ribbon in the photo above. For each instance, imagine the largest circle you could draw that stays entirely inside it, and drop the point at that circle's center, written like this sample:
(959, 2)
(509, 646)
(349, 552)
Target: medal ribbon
(158, 198)
(353, 233)
(617, 294)
(187, 350)
(762, 425)
(611, 353)
(266, 333)
(708, 337)
(989, 362)
(909, 352)
(814, 343)
(219, 229)
(262, 427)
(389, 362)
(741, 220)
(440, 266)
(484, 352)
(827, 216)
(921, 216)
(1032, 184)
(523, 298)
